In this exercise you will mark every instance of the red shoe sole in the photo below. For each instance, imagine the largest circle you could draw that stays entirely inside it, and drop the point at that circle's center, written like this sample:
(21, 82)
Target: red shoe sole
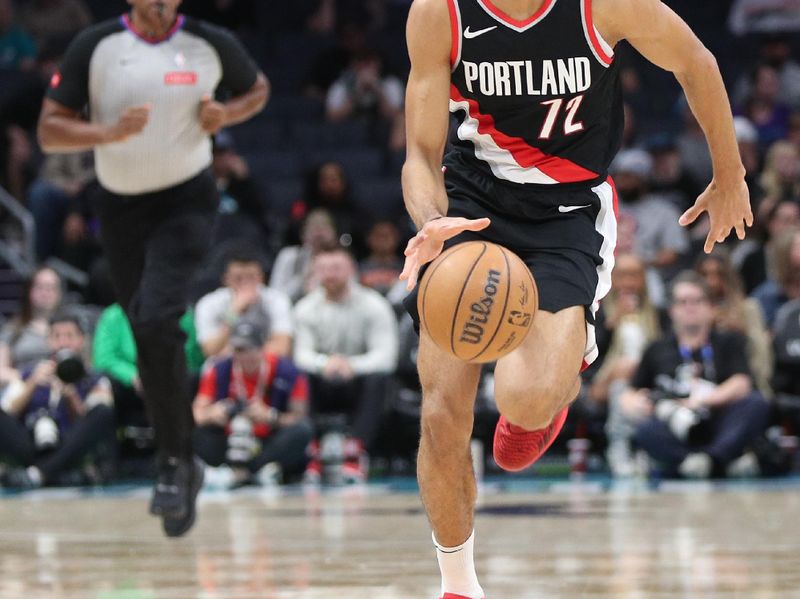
(516, 450)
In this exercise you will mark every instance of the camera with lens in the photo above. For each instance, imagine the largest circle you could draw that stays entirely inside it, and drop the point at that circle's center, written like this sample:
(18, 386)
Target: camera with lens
(69, 366)
(242, 443)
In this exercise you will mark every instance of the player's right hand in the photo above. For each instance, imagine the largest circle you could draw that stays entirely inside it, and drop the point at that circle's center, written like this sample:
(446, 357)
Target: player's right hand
(131, 122)
(426, 245)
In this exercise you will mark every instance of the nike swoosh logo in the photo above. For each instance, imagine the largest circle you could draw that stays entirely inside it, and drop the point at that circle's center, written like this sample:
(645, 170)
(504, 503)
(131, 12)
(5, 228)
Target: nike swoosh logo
(563, 209)
(472, 34)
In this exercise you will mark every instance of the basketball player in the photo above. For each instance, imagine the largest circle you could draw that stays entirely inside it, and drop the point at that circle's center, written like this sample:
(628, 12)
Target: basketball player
(149, 79)
(535, 87)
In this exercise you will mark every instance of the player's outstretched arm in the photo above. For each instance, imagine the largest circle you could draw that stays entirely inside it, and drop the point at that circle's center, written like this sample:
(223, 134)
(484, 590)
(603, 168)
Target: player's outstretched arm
(666, 40)
(427, 119)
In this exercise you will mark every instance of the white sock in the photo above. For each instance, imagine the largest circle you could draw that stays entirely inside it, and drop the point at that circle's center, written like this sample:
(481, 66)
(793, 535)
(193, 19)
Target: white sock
(458, 569)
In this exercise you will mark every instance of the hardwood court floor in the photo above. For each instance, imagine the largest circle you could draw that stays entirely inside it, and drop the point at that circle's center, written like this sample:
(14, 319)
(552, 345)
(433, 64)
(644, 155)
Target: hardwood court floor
(571, 542)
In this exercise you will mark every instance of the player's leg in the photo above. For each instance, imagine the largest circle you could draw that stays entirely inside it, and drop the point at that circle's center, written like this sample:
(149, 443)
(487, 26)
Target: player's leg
(535, 383)
(444, 465)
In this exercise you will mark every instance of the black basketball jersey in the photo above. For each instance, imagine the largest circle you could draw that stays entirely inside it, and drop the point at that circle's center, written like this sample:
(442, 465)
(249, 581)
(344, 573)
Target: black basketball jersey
(539, 101)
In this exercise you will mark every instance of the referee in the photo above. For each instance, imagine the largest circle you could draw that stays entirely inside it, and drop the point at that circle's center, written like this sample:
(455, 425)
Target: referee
(149, 80)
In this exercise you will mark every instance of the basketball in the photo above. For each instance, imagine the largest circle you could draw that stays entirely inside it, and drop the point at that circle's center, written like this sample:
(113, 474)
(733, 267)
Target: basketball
(477, 301)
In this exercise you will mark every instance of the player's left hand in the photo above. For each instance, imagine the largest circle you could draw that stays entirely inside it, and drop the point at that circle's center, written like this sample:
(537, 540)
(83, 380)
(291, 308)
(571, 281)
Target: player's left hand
(212, 115)
(728, 208)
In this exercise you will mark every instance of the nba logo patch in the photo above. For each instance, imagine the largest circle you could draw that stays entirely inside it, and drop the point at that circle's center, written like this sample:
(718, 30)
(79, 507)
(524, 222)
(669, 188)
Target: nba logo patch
(55, 80)
(180, 59)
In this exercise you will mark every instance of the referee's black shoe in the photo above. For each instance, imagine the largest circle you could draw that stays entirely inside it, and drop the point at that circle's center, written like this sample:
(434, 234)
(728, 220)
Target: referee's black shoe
(176, 489)
(176, 526)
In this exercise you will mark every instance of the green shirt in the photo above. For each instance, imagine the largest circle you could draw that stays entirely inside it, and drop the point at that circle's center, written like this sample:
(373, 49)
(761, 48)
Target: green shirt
(114, 348)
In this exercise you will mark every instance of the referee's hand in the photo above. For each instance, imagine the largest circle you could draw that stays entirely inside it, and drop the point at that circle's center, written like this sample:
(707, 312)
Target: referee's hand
(131, 122)
(212, 115)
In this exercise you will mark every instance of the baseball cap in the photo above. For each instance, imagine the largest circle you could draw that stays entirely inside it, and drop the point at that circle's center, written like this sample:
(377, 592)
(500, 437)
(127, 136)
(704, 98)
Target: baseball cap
(247, 335)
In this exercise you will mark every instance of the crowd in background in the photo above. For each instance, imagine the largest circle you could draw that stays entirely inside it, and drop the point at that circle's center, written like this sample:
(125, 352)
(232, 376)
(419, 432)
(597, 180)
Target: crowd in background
(300, 351)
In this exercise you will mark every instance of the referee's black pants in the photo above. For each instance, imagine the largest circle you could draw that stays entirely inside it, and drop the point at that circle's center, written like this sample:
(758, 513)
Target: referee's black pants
(154, 243)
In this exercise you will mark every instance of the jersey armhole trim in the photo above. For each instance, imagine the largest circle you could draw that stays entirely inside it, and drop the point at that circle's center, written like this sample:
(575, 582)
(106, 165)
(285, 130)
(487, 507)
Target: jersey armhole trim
(602, 51)
(455, 33)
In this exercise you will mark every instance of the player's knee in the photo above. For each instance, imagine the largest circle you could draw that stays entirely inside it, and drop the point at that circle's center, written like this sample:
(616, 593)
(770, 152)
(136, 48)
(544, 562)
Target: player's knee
(154, 330)
(442, 426)
(529, 406)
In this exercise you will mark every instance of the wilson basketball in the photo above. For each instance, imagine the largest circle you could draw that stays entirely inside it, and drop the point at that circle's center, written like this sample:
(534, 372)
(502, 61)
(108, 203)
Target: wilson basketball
(477, 301)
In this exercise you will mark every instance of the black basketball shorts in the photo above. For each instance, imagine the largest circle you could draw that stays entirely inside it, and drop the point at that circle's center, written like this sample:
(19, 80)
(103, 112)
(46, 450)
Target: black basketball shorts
(566, 236)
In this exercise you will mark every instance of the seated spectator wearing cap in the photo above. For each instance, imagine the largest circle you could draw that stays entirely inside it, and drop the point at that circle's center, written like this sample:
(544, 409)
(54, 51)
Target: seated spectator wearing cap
(244, 296)
(347, 342)
(669, 178)
(251, 410)
(658, 238)
(692, 399)
(58, 413)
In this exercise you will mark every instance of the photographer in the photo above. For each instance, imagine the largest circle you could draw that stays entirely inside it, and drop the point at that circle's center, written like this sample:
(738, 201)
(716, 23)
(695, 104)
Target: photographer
(693, 394)
(251, 410)
(57, 413)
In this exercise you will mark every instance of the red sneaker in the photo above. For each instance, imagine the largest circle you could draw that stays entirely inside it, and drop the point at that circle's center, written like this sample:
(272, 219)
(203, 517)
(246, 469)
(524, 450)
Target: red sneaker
(516, 448)
(453, 596)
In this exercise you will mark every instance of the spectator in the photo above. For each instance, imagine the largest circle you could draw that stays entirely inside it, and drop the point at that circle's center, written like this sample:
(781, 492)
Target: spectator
(347, 343)
(244, 295)
(695, 157)
(381, 268)
(57, 201)
(17, 48)
(781, 176)
(54, 21)
(23, 340)
(239, 193)
(626, 322)
(765, 108)
(351, 39)
(781, 217)
(775, 51)
(659, 239)
(747, 140)
(59, 411)
(787, 356)
(764, 16)
(292, 271)
(16, 161)
(327, 187)
(363, 90)
(669, 177)
(784, 284)
(692, 393)
(114, 354)
(737, 313)
(251, 411)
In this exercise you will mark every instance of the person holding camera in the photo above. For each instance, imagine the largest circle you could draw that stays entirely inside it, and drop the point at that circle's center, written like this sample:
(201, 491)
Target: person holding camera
(693, 395)
(251, 411)
(57, 413)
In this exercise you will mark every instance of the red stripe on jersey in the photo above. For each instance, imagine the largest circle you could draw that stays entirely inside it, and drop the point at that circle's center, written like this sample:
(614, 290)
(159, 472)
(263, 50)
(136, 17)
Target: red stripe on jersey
(511, 21)
(610, 181)
(587, 11)
(455, 34)
(527, 156)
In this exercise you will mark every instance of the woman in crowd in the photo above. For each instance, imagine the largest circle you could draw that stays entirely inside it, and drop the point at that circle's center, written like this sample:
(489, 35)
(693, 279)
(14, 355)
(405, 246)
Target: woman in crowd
(735, 312)
(23, 340)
